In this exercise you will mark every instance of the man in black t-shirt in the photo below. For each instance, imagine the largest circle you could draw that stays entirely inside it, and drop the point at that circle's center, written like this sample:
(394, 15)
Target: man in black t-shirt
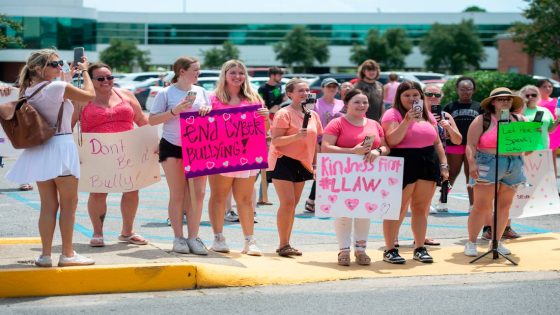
(271, 91)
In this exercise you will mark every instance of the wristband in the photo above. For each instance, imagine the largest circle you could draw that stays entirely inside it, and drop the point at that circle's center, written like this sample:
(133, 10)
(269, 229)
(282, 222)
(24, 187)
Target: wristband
(171, 111)
(379, 150)
(444, 166)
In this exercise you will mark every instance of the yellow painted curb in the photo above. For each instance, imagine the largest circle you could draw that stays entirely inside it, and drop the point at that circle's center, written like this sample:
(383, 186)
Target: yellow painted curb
(20, 240)
(96, 279)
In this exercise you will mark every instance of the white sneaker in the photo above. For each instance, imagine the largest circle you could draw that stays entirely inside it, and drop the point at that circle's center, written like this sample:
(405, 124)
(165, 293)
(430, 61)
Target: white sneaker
(470, 249)
(433, 209)
(220, 245)
(231, 216)
(43, 261)
(197, 246)
(180, 245)
(442, 207)
(76, 260)
(251, 248)
(501, 248)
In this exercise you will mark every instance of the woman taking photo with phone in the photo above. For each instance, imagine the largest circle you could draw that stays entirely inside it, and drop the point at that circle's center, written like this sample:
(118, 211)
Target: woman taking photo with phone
(292, 158)
(346, 135)
(234, 90)
(181, 96)
(411, 133)
(54, 165)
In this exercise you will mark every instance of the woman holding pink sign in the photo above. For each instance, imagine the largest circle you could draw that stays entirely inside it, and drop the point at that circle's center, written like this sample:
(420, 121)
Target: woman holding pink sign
(181, 96)
(355, 134)
(234, 90)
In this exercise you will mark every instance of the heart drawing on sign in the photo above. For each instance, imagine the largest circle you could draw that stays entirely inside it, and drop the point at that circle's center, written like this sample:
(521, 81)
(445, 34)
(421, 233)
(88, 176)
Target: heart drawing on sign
(393, 181)
(210, 164)
(371, 207)
(384, 193)
(190, 120)
(211, 119)
(187, 168)
(256, 114)
(325, 208)
(226, 163)
(226, 116)
(243, 161)
(351, 204)
(243, 116)
(332, 198)
(259, 159)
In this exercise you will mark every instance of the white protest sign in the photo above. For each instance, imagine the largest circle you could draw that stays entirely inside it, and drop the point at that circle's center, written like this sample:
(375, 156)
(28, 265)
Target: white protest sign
(6, 148)
(347, 186)
(540, 195)
(119, 162)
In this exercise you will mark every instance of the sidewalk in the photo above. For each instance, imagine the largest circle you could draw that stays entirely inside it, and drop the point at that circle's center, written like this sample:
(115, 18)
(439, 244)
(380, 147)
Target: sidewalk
(130, 268)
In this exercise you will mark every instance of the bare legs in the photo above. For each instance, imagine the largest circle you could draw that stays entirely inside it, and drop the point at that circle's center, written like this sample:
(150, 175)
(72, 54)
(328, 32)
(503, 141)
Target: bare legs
(289, 194)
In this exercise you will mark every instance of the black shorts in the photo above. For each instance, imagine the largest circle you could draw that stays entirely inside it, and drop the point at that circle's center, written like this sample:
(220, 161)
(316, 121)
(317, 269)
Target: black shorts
(291, 170)
(168, 149)
(419, 163)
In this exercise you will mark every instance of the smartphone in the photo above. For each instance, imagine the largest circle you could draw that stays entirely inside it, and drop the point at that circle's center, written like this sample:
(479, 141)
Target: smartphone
(538, 116)
(78, 54)
(368, 141)
(306, 117)
(311, 98)
(436, 110)
(504, 115)
(191, 93)
(444, 191)
(418, 105)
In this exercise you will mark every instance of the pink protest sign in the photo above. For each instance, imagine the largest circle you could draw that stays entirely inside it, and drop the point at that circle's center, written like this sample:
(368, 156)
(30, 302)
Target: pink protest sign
(348, 186)
(226, 140)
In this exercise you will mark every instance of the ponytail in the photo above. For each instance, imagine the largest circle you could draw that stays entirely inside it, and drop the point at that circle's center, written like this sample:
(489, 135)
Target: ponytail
(24, 80)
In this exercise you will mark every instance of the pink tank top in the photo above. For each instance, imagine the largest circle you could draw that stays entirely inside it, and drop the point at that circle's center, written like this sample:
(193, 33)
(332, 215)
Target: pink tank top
(100, 119)
(489, 139)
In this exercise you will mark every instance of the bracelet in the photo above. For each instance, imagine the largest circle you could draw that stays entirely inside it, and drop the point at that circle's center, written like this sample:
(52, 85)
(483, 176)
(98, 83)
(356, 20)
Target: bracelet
(444, 166)
(171, 111)
(379, 150)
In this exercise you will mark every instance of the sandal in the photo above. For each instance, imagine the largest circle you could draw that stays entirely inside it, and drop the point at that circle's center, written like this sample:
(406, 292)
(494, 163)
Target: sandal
(264, 203)
(134, 238)
(344, 258)
(362, 258)
(288, 251)
(309, 206)
(25, 187)
(431, 242)
(97, 241)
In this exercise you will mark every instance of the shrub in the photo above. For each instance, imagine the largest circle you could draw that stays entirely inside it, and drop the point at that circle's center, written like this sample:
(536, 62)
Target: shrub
(486, 81)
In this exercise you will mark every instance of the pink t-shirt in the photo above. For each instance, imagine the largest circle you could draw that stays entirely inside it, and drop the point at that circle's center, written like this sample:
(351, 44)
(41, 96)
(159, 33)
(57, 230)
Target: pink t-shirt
(554, 137)
(302, 150)
(348, 135)
(418, 135)
(391, 89)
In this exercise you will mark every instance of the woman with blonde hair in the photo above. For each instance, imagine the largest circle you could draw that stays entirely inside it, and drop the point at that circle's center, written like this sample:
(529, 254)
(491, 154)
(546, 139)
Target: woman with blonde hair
(54, 165)
(233, 90)
(181, 96)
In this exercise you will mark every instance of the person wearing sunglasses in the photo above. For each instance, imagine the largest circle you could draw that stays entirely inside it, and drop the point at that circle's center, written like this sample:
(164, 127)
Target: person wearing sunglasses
(54, 165)
(112, 110)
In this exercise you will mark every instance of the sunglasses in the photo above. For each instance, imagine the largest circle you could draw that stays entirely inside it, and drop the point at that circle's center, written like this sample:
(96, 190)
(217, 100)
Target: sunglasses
(108, 78)
(504, 99)
(56, 64)
(430, 94)
(530, 95)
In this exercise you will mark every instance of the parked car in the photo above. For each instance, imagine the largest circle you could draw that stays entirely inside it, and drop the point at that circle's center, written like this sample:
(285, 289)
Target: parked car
(257, 82)
(140, 89)
(304, 76)
(124, 78)
(208, 83)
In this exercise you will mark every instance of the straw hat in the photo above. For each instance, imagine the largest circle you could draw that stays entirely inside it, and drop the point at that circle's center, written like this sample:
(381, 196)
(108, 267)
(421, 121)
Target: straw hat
(500, 92)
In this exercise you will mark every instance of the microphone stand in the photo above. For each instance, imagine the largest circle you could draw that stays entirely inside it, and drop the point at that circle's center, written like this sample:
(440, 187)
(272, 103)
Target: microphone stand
(494, 250)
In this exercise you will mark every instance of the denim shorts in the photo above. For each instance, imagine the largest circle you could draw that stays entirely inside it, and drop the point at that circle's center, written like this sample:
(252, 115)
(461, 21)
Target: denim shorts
(510, 169)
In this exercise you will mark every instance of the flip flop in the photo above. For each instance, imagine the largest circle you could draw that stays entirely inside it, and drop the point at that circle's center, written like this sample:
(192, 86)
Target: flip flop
(97, 241)
(134, 238)
(25, 187)
(429, 242)
(264, 203)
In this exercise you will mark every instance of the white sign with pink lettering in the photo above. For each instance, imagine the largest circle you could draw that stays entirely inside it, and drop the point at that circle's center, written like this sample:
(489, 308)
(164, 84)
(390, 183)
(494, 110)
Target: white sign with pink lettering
(347, 186)
(119, 162)
(540, 195)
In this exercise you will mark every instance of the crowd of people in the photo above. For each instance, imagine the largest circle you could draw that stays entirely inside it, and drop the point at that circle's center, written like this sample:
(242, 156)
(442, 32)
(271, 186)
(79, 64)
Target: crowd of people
(440, 138)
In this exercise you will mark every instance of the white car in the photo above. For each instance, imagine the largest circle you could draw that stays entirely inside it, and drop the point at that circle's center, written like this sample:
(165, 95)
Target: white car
(207, 83)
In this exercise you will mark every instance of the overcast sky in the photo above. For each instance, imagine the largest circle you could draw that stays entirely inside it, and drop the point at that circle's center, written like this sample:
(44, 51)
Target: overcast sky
(305, 5)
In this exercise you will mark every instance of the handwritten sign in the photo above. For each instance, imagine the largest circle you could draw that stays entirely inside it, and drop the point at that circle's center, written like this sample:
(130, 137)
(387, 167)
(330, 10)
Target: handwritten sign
(520, 136)
(540, 194)
(226, 140)
(119, 162)
(347, 186)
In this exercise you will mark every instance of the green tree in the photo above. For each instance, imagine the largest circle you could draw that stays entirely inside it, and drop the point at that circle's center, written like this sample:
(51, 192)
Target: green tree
(474, 8)
(541, 35)
(123, 55)
(389, 50)
(6, 24)
(216, 57)
(298, 48)
(454, 48)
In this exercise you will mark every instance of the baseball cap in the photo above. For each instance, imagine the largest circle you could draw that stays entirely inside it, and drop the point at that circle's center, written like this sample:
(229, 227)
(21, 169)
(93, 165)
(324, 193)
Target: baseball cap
(328, 81)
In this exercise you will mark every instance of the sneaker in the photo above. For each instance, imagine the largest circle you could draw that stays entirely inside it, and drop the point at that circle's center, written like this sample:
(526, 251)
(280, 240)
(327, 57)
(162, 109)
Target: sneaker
(433, 209)
(180, 245)
(168, 222)
(509, 233)
(196, 246)
(470, 249)
(251, 248)
(310, 205)
(487, 233)
(501, 248)
(231, 216)
(421, 254)
(76, 260)
(43, 261)
(392, 256)
(220, 245)
(442, 207)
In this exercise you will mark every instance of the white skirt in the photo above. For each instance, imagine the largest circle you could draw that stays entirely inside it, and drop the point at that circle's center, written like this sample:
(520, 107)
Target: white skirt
(57, 157)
